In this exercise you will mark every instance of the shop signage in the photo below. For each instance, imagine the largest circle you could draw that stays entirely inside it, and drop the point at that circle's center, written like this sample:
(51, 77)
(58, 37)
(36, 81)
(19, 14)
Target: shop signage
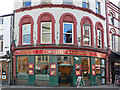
(93, 70)
(77, 69)
(53, 69)
(60, 52)
(31, 69)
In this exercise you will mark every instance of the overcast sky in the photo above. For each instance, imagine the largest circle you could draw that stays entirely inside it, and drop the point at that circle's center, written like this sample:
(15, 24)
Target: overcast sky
(6, 6)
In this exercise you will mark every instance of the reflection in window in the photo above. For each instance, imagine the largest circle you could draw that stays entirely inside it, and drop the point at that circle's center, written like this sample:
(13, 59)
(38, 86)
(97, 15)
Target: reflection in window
(26, 32)
(99, 39)
(46, 32)
(26, 3)
(68, 1)
(64, 60)
(22, 65)
(97, 7)
(85, 4)
(42, 65)
(86, 35)
(68, 32)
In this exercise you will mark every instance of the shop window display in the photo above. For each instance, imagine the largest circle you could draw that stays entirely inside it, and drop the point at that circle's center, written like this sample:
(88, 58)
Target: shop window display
(22, 67)
(3, 71)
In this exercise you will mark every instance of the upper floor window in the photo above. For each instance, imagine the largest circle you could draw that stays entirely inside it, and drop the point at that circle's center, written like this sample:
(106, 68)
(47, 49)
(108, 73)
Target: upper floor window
(68, 1)
(99, 35)
(86, 34)
(45, 1)
(46, 29)
(46, 36)
(112, 18)
(1, 43)
(1, 21)
(68, 33)
(26, 34)
(113, 39)
(97, 7)
(99, 39)
(85, 3)
(26, 3)
(68, 29)
(26, 30)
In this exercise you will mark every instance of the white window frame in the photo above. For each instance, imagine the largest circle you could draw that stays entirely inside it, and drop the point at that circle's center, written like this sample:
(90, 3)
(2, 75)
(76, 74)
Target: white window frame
(112, 18)
(86, 2)
(26, 34)
(88, 36)
(68, 33)
(99, 34)
(47, 33)
(69, 2)
(45, 1)
(113, 41)
(1, 21)
(1, 41)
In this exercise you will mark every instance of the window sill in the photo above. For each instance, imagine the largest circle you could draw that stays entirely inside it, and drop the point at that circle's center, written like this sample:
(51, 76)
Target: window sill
(26, 45)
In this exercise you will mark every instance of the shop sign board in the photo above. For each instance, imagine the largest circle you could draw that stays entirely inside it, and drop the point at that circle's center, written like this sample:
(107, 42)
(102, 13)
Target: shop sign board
(53, 69)
(60, 52)
(31, 69)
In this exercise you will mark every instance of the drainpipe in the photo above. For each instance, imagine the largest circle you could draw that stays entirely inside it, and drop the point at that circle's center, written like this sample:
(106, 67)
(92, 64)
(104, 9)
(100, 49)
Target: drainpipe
(107, 32)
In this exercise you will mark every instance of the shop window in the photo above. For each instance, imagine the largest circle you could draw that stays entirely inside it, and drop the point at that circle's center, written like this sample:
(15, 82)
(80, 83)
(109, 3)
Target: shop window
(26, 31)
(22, 65)
(1, 43)
(68, 29)
(86, 34)
(65, 60)
(45, 1)
(26, 34)
(85, 69)
(68, 1)
(85, 3)
(103, 71)
(46, 36)
(97, 7)
(112, 18)
(68, 33)
(42, 65)
(46, 29)
(26, 3)
(3, 71)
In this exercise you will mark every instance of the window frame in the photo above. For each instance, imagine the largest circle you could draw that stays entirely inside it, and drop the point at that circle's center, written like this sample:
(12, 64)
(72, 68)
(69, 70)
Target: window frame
(84, 25)
(113, 41)
(68, 33)
(100, 40)
(98, 9)
(47, 33)
(1, 44)
(86, 2)
(1, 21)
(45, 2)
(70, 2)
(112, 18)
(26, 34)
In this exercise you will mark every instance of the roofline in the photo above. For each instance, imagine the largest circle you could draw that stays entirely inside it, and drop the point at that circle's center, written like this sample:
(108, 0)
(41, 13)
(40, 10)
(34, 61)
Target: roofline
(113, 4)
(7, 15)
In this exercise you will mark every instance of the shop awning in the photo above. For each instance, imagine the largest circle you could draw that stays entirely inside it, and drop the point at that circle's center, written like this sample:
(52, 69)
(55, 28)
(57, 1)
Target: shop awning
(114, 56)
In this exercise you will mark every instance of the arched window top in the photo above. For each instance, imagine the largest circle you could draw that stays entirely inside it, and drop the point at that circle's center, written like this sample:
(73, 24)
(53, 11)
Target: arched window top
(46, 17)
(112, 13)
(86, 20)
(99, 26)
(113, 31)
(27, 19)
(68, 17)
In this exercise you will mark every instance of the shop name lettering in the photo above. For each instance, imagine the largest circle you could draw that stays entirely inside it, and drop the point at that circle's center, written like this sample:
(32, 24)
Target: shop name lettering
(66, 52)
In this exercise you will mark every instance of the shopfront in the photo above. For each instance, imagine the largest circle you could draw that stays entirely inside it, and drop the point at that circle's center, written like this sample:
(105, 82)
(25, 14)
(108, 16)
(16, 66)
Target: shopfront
(54, 67)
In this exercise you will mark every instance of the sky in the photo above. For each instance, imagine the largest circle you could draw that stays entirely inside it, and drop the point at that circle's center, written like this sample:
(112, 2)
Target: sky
(7, 8)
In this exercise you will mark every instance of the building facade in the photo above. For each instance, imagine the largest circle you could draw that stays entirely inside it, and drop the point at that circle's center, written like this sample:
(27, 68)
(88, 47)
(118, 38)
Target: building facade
(57, 41)
(113, 28)
(6, 24)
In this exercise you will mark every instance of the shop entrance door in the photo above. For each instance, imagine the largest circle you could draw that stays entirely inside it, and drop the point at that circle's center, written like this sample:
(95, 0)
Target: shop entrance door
(65, 76)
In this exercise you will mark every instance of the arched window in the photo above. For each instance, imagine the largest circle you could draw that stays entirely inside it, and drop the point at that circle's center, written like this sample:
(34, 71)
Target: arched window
(26, 30)
(87, 36)
(99, 35)
(112, 37)
(46, 29)
(68, 29)
(112, 18)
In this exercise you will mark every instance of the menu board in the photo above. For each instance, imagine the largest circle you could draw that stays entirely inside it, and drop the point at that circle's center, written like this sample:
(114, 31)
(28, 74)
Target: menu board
(77, 69)
(93, 70)
(31, 69)
(53, 69)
